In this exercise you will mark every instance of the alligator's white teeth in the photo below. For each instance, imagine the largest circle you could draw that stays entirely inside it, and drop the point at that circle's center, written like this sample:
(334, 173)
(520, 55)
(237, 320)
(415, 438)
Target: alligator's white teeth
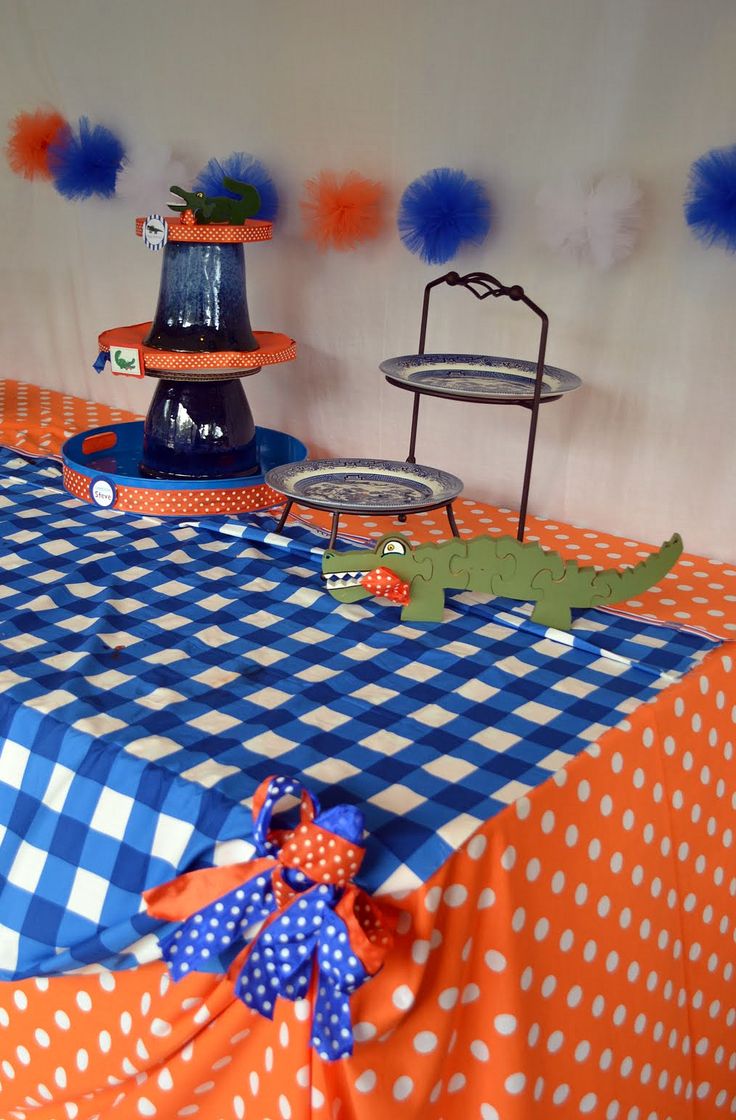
(335, 580)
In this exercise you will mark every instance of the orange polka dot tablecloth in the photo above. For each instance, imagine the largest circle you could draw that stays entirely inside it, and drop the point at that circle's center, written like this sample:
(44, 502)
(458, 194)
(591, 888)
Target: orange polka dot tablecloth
(574, 958)
(37, 421)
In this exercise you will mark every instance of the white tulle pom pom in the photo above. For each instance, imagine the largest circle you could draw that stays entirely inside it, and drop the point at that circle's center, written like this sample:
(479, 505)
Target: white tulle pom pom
(143, 184)
(596, 222)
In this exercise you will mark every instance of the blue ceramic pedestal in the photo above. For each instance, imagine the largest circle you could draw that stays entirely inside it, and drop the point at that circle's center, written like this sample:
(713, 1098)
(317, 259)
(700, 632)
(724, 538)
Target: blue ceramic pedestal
(199, 430)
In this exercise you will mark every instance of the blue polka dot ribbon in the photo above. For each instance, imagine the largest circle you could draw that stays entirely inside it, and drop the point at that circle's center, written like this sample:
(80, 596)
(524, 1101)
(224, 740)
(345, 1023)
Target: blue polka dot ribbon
(289, 923)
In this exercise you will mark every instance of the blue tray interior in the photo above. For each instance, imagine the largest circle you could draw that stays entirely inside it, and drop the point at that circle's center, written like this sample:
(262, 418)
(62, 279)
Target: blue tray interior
(121, 463)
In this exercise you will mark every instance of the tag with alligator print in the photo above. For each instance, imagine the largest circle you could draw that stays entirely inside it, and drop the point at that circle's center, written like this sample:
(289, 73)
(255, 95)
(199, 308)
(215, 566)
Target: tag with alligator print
(127, 361)
(417, 576)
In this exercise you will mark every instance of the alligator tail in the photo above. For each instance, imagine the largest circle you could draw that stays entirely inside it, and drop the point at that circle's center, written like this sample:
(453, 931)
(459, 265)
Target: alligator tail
(615, 586)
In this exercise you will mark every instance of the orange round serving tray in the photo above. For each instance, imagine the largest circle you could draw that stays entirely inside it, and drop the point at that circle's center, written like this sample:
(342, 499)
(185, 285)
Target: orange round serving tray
(217, 232)
(273, 348)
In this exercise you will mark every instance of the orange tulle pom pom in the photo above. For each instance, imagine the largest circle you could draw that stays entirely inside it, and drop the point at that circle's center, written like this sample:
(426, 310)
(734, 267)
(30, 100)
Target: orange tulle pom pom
(31, 134)
(341, 211)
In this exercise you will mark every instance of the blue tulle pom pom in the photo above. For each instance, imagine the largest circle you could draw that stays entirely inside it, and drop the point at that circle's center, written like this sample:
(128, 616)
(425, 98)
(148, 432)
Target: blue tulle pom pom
(246, 169)
(441, 210)
(86, 162)
(710, 207)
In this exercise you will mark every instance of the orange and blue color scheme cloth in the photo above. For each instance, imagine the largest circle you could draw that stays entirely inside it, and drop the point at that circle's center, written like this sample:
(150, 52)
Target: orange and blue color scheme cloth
(574, 959)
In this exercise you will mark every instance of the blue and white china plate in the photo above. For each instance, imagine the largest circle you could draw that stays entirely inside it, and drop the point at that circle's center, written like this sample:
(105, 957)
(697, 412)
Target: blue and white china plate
(365, 485)
(476, 375)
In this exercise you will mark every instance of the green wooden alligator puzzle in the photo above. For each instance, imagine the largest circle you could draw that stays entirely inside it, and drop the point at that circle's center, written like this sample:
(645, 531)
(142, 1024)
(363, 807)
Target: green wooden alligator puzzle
(418, 576)
(208, 209)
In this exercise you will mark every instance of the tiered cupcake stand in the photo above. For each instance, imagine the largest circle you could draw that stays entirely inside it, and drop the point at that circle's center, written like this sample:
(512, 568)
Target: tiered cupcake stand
(478, 379)
(388, 488)
(198, 451)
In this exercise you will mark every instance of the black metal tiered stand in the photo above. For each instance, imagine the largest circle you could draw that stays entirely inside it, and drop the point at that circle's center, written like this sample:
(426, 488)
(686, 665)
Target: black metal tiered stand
(504, 381)
(482, 285)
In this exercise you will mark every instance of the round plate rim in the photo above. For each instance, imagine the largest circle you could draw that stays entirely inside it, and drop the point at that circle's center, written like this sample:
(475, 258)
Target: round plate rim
(452, 485)
(388, 367)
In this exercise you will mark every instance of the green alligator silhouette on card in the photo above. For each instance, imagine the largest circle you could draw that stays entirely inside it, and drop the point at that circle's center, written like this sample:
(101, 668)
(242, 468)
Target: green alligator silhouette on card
(208, 209)
(418, 576)
(124, 363)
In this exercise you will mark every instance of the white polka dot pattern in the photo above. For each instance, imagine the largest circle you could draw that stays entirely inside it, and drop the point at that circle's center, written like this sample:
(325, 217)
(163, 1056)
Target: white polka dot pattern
(179, 503)
(274, 348)
(217, 232)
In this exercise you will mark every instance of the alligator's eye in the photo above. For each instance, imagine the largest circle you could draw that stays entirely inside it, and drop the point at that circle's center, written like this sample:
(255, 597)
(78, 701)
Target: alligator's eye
(199, 194)
(394, 548)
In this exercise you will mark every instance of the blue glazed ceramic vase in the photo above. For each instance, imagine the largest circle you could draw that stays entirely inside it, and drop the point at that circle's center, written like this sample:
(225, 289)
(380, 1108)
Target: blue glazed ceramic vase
(202, 303)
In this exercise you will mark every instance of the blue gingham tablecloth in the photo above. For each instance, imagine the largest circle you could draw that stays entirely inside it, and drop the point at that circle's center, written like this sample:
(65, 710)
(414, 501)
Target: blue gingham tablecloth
(152, 674)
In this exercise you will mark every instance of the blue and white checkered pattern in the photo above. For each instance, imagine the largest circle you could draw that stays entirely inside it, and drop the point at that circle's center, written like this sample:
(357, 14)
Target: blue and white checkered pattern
(151, 675)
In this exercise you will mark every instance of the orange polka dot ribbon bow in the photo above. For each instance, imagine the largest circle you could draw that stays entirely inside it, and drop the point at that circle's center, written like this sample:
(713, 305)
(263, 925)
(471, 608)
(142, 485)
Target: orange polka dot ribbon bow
(288, 923)
(384, 582)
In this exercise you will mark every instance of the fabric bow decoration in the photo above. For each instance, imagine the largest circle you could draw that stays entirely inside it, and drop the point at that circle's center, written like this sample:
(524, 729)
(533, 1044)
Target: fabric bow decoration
(384, 582)
(306, 928)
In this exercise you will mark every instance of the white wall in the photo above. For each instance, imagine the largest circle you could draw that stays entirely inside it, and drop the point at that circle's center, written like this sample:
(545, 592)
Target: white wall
(513, 92)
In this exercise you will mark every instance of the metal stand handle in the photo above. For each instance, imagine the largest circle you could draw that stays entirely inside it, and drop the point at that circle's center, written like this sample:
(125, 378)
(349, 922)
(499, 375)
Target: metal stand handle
(482, 285)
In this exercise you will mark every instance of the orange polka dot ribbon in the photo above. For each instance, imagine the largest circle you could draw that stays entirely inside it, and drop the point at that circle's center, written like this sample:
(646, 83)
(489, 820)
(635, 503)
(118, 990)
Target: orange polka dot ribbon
(384, 582)
(287, 923)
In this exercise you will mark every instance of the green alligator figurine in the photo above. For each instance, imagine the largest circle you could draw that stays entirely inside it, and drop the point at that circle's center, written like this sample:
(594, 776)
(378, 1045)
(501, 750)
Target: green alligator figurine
(207, 209)
(418, 577)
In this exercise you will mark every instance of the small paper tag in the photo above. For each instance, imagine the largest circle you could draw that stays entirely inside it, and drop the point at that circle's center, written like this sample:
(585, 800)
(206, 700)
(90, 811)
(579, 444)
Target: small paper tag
(155, 232)
(127, 360)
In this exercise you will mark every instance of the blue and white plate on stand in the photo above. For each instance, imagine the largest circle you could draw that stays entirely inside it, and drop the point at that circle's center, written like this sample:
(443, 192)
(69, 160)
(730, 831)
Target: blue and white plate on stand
(365, 485)
(477, 377)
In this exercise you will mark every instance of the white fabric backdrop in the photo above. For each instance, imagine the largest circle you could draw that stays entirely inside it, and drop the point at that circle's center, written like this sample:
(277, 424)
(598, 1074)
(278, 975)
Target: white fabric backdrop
(513, 93)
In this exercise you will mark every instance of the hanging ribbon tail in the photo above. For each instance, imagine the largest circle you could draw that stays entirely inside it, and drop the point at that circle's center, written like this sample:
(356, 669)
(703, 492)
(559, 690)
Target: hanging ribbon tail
(101, 361)
(386, 584)
(332, 1028)
(341, 972)
(208, 938)
(281, 958)
(352, 947)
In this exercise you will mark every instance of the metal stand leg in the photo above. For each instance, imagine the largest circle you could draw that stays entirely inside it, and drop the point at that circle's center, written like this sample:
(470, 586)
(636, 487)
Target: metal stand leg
(528, 471)
(335, 526)
(411, 458)
(284, 515)
(451, 519)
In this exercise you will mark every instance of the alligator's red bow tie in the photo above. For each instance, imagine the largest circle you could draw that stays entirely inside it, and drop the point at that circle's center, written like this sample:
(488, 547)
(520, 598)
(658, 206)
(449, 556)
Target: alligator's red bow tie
(384, 582)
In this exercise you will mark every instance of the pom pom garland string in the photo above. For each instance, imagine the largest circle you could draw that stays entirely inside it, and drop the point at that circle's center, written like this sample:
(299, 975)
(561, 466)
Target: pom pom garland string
(245, 168)
(440, 211)
(341, 211)
(87, 162)
(596, 222)
(144, 181)
(31, 135)
(710, 206)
